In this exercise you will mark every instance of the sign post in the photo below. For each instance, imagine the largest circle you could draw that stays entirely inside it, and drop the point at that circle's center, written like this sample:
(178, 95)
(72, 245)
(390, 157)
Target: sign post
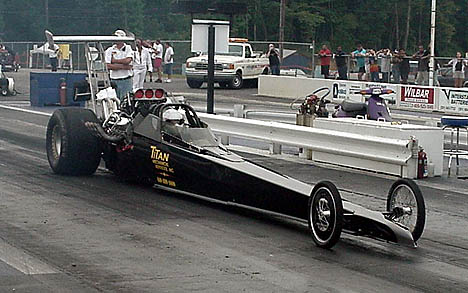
(210, 36)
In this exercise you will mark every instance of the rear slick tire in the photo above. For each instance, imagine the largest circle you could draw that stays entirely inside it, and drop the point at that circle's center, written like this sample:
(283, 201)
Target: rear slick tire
(325, 214)
(72, 149)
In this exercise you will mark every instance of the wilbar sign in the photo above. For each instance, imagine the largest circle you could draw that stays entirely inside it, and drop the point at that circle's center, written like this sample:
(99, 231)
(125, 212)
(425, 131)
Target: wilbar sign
(414, 97)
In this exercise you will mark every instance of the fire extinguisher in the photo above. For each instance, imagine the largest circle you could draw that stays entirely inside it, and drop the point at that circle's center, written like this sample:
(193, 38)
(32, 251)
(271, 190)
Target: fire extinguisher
(422, 164)
(63, 92)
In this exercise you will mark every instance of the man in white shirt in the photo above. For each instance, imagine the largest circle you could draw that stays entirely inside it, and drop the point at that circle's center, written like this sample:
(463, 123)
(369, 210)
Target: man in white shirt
(141, 64)
(158, 51)
(168, 61)
(119, 58)
(53, 54)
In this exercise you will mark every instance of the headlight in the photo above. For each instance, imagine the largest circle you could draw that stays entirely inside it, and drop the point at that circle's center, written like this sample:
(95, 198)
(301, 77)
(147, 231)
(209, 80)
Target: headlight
(190, 65)
(228, 66)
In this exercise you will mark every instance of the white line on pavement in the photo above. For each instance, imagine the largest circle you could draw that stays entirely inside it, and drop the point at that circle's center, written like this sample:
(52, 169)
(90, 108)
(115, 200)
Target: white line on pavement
(22, 261)
(25, 110)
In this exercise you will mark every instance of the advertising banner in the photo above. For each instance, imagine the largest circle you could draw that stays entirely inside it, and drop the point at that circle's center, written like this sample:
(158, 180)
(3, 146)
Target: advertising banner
(417, 98)
(455, 100)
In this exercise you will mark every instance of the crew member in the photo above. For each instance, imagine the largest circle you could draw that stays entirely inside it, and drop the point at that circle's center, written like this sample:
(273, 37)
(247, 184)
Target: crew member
(141, 64)
(53, 52)
(119, 60)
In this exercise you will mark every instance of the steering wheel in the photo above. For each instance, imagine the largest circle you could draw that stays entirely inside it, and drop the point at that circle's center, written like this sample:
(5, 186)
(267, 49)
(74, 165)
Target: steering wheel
(294, 106)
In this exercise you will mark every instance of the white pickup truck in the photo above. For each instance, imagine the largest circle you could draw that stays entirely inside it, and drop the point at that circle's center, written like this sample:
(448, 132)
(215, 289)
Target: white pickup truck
(231, 69)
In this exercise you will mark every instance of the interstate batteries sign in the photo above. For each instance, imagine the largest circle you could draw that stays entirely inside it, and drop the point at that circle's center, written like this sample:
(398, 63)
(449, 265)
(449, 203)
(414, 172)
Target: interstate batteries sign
(453, 100)
(417, 98)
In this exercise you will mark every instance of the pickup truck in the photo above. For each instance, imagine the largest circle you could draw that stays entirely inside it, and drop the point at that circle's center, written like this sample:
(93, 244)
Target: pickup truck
(231, 69)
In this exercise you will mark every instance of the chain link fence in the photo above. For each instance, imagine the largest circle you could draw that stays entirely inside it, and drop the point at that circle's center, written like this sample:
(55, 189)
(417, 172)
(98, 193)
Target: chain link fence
(299, 59)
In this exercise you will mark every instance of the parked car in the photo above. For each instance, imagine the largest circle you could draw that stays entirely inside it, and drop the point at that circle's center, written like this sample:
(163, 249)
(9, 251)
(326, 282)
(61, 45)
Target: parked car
(445, 77)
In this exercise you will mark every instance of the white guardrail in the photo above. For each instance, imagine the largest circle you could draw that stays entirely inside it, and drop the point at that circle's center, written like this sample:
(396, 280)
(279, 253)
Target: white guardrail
(386, 155)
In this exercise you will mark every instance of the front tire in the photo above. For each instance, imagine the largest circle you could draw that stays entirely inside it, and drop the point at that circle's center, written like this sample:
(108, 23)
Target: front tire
(406, 195)
(325, 214)
(194, 84)
(71, 147)
(4, 92)
(237, 82)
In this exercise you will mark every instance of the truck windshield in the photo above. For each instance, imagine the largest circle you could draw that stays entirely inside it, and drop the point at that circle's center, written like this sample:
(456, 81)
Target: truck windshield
(234, 50)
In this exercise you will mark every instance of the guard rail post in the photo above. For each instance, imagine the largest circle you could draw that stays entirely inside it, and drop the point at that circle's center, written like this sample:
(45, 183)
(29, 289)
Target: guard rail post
(305, 120)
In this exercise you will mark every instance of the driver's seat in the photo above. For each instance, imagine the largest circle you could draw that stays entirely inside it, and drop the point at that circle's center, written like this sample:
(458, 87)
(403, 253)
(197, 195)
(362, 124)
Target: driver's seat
(351, 106)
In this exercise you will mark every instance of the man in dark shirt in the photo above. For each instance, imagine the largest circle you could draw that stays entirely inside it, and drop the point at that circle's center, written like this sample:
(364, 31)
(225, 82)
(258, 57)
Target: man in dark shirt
(422, 56)
(273, 57)
(341, 63)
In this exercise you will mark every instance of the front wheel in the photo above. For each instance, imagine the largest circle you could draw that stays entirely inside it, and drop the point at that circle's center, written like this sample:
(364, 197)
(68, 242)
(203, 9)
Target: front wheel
(406, 203)
(237, 82)
(4, 92)
(194, 84)
(72, 149)
(325, 214)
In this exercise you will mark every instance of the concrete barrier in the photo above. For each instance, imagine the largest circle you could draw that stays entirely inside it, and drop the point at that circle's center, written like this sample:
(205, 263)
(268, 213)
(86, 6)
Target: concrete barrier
(409, 97)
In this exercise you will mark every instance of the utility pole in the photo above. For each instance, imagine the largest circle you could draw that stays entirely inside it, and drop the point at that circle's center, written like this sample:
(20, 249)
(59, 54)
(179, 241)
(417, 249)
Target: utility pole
(281, 27)
(433, 31)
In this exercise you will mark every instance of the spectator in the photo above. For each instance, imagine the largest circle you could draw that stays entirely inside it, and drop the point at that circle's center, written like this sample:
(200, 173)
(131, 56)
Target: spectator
(53, 52)
(325, 58)
(395, 62)
(373, 66)
(3, 48)
(341, 63)
(158, 51)
(458, 68)
(360, 54)
(423, 65)
(273, 57)
(149, 44)
(168, 61)
(141, 64)
(119, 59)
(404, 66)
(385, 56)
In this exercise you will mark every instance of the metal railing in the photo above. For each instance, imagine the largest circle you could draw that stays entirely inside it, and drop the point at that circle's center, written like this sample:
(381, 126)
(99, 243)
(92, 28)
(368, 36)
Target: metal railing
(386, 155)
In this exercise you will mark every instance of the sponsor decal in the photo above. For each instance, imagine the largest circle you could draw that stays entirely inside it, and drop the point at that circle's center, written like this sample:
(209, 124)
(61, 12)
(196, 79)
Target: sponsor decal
(455, 100)
(161, 161)
(340, 90)
(415, 97)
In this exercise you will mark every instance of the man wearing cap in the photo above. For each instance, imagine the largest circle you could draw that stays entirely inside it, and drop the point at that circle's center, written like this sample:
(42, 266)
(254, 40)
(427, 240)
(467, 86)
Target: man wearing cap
(119, 59)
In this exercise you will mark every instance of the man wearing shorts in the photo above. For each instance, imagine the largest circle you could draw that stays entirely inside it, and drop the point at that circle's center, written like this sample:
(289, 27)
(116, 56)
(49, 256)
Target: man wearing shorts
(360, 55)
(168, 61)
(157, 61)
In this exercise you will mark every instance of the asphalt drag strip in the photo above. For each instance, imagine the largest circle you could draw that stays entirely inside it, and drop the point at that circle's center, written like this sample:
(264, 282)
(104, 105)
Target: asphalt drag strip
(96, 233)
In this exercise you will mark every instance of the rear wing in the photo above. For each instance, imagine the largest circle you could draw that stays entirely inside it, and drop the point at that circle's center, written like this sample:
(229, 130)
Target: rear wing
(72, 39)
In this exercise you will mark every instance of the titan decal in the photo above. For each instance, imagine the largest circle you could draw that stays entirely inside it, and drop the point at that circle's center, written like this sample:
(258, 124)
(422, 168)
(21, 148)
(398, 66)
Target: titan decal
(161, 164)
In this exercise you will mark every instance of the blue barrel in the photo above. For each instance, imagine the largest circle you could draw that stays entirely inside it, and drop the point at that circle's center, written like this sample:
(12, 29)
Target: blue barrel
(44, 88)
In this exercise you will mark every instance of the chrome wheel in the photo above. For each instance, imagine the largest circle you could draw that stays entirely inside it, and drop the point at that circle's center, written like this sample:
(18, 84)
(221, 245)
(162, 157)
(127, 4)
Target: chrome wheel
(325, 214)
(406, 205)
(403, 197)
(57, 141)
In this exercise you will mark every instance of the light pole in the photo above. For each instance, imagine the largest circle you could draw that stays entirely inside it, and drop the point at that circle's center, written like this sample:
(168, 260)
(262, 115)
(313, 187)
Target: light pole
(433, 31)
(281, 27)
